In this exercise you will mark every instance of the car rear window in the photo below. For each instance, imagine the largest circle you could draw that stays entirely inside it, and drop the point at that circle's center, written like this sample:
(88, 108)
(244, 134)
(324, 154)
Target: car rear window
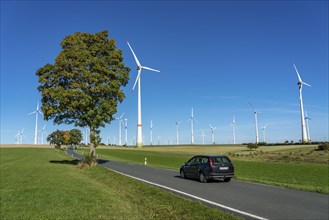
(221, 160)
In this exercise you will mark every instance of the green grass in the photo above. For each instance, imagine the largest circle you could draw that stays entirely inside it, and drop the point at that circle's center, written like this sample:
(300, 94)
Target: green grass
(47, 184)
(301, 176)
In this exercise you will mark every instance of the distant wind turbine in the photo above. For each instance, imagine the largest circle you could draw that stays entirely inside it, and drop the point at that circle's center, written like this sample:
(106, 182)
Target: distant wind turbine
(86, 135)
(256, 123)
(126, 131)
(139, 108)
(308, 126)
(300, 85)
(264, 129)
(233, 126)
(151, 130)
(212, 133)
(177, 125)
(43, 132)
(36, 112)
(192, 125)
(19, 136)
(203, 135)
(120, 122)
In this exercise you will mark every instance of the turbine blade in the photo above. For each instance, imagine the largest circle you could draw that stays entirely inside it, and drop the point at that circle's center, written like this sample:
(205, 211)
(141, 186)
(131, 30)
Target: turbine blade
(138, 75)
(306, 84)
(252, 107)
(122, 115)
(148, 68)
(32, 113)
(137, 61)
(300, 79)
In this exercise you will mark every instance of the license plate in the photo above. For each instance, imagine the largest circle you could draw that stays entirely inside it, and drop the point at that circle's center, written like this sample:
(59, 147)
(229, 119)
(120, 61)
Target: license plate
(223, 168)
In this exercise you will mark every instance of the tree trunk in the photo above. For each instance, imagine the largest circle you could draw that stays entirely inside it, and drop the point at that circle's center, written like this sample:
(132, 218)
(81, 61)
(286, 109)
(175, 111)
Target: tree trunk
(92, 146)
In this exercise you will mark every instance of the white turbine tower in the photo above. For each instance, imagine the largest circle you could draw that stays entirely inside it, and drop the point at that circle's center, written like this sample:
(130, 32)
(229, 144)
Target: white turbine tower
(139, 104)
(151, 130)
(17, 137)
(126, 131)
(21, 136)
(177, 125)
(307, 126)
(43, 133)
(203, 135)
(120, 122)
(36, 123)
(192, 125)
(256, 123)
(212, 133)
(300, 84)
(86, 135)
(264, 130)
(233, 126)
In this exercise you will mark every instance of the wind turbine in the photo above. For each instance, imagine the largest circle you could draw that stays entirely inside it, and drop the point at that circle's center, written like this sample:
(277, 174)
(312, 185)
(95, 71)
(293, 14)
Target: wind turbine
(192, 125)
(43, 133)
(120, 122)
(307, 125)
(126, 130)
(233, 126)
(86, 135)
(21, 136)
(151, 127)
(300, 84)
(177, 125)
(36, 123)
(212, 133)
(256, 123)
(203, 135)
(17, 137)
(139, 105)
(264, 128)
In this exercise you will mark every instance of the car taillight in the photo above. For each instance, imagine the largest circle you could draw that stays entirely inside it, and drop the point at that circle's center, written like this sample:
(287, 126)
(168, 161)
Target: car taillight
(210, 162)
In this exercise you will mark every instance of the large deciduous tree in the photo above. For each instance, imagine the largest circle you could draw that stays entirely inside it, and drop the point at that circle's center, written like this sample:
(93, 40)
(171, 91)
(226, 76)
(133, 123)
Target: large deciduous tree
(83, 86)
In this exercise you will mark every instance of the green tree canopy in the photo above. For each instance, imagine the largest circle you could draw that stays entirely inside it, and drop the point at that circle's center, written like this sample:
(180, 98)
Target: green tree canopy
(56, 138)
(83, 86)
(75, 137)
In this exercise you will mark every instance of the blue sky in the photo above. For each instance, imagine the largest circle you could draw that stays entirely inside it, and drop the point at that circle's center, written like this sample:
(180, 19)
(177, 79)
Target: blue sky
(214, 56)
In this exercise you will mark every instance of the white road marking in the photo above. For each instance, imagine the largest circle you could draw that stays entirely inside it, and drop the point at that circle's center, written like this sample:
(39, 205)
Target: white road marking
(192, 196)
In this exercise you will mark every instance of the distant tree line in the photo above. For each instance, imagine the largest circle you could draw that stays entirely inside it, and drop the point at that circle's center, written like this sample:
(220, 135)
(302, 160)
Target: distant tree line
(70, 137)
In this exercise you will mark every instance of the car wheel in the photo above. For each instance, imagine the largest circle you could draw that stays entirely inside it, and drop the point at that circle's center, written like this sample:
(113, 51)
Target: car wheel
(182, 174)
(202, 177)
(228, 179)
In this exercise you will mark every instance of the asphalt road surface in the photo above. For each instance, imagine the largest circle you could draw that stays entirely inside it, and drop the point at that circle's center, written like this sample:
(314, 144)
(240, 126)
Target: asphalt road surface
(248, 200)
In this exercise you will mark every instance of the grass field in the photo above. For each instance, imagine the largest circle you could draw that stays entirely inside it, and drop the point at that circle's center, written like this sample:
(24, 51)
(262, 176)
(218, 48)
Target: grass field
(294, 174)
(47, 184)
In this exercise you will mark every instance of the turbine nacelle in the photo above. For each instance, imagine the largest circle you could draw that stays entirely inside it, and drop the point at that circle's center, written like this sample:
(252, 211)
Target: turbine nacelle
(139, 66)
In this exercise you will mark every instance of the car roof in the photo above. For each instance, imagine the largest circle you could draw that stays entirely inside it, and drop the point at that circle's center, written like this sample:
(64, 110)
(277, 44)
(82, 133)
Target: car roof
(209, 155)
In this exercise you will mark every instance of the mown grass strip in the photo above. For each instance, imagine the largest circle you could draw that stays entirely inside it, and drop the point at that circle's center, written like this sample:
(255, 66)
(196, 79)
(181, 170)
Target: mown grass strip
(46, 184)
(301, 176)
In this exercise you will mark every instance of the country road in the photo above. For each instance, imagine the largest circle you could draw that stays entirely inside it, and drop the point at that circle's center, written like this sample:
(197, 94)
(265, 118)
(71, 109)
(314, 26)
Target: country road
(249, 200)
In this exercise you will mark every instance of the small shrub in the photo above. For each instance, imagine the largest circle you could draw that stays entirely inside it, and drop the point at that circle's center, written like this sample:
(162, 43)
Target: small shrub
(323, 146)
(252, 146)
(87, 161)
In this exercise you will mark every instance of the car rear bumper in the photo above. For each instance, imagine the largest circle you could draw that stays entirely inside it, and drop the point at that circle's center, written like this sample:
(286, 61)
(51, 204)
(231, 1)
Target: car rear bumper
(220, 175)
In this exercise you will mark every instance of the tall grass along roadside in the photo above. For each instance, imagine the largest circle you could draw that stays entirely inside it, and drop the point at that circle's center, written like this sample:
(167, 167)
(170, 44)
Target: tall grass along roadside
(302, 176)
(47, 184)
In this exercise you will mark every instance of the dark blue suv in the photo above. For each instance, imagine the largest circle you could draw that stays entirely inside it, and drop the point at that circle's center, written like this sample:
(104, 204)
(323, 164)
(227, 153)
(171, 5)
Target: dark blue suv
(206, 167)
